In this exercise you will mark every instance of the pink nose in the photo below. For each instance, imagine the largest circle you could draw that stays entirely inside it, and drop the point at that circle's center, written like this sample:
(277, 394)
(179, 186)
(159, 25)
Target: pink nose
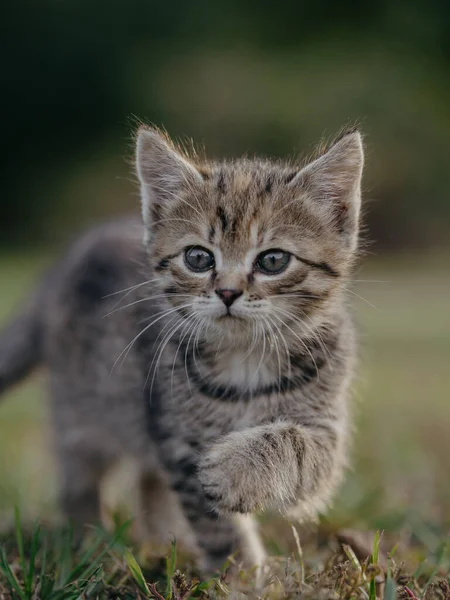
(228, 296)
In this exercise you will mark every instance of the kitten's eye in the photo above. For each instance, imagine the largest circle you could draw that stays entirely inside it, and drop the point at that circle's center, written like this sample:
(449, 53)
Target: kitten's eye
(272, 261)
(199, 259)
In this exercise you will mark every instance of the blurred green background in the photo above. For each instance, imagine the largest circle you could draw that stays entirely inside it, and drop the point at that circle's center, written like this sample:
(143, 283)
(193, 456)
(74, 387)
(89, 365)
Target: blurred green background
(256, 77)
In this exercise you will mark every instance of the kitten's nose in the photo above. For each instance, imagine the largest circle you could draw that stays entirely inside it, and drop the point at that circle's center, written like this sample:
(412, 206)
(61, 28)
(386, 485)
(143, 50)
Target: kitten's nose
(228, 296)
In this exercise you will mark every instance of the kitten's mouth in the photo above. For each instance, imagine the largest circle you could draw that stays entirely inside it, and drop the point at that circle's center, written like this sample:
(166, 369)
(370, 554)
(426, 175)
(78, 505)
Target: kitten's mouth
(228, 315)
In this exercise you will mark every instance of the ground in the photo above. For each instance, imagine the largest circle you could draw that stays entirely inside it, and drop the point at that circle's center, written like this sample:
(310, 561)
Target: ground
(398, 482)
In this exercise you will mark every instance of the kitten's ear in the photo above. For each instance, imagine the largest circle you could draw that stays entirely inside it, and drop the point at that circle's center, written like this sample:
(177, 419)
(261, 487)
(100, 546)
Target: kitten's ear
(333, 181)
(163, 172)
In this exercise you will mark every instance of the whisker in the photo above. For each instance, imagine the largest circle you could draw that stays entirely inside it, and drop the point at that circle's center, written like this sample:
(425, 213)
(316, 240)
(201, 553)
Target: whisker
(165, 310)
(311, 329)
(198, 325)
(253, 342)
(128, 291)
(165, 326)
(301, 342)
(219, 346)
(185, 360)
(146, 299)
(368, 281)
(146, 328)
(131, 288)
(363, 299)
(283, 339)
(309, 296)
(184, 333)
(159, 353)
(263, 353)
(270, 323)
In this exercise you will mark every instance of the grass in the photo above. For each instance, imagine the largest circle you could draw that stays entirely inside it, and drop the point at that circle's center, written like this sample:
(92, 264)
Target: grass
(398, 482)
(50, 565)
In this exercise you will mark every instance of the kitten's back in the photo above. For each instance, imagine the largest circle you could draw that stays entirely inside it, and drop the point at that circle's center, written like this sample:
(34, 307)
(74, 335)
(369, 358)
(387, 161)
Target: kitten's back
(97, 265)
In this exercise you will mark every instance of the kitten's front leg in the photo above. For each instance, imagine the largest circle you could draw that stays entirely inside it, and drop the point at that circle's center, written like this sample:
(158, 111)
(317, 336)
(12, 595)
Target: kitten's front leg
(216, 539)
(267, 467)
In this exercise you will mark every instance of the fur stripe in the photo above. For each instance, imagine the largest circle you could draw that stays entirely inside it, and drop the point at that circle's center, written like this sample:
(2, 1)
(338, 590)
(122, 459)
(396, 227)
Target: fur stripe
(164, 262)
(322, 266)
(308, 372)
(223, 218)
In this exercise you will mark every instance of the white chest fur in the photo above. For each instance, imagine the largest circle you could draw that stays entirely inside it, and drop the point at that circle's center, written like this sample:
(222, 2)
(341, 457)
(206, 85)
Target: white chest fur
(246, 371)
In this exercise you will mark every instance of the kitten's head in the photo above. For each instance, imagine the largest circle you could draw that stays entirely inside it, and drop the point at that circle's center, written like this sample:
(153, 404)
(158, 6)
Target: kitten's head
(250, 241)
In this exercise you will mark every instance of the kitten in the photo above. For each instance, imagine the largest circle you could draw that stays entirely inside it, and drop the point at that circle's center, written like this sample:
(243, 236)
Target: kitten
(224, 366)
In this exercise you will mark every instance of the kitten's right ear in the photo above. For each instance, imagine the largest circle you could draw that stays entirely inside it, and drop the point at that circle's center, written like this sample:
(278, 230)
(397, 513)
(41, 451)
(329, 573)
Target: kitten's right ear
(333, 181)
(163, 172)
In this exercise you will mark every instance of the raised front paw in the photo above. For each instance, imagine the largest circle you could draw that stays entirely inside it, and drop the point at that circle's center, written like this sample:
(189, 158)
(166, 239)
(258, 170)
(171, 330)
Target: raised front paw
(252, 470)
(228, 483)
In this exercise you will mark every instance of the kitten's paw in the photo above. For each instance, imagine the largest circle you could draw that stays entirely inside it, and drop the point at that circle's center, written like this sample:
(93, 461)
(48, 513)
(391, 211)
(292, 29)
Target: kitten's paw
(228, 483)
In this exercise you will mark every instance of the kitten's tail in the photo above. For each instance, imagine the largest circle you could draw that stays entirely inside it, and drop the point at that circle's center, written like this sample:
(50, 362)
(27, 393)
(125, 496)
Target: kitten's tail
(20, 345)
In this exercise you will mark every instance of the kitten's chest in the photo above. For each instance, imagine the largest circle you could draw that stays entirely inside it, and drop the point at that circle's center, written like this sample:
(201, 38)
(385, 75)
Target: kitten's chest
(242, 370)
(206, 399)
(206, 390)
(199, 420)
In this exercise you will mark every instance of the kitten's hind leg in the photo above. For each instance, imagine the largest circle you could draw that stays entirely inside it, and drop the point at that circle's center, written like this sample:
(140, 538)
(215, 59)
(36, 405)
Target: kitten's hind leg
(81, 476)
(253, 551)
(158, 514)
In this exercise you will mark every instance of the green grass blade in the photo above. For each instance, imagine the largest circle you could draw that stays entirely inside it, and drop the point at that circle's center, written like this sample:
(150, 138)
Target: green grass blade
(171, 565)
(352, 557)
(43, 559)
(63, 548)
(10, 576)
(95, 564)
(390, 589)
(372, 589)
(86, 562)
(376, 547)
(442, 551)
(20, 548)
(32, 566)
(136, 572)
(393, 552)
(374, 561)
(66, 594)
(46, 583)
(77, 590)
(350, 553)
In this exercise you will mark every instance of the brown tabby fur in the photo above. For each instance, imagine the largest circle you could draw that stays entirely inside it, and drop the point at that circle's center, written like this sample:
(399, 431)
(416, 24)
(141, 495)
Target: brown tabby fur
(227, 412)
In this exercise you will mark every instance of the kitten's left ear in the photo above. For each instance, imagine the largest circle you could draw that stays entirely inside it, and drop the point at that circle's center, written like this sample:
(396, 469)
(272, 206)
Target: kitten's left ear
(333, 182)
(163, 173)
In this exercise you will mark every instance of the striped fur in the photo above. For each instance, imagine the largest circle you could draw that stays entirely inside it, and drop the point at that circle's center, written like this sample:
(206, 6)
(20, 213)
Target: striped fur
(227, 410)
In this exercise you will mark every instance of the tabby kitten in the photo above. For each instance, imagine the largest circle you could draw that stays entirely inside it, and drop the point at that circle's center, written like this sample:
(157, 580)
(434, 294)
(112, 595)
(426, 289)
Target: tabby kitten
(223, 367)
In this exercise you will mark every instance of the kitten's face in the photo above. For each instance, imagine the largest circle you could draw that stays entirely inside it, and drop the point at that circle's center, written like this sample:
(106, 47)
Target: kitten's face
(250, 245)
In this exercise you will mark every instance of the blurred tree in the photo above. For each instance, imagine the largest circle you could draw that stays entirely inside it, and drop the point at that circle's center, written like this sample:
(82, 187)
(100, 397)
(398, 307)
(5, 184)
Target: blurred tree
(239, 75)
